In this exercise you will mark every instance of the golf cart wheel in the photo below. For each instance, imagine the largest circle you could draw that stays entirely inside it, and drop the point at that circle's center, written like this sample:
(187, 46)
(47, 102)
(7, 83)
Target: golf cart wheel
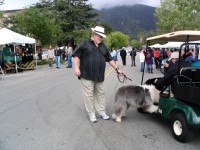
(180, 129)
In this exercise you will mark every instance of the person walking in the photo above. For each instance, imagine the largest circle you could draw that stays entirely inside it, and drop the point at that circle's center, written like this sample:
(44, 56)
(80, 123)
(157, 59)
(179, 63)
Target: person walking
(133, 54)
(142, 59)
(40, 54)
(50, 55)
(114, 54)
(90, 59)
(149, 60)
(156, 53)
(69, 56)
(123, 56)
(58, 54)
(65, 49)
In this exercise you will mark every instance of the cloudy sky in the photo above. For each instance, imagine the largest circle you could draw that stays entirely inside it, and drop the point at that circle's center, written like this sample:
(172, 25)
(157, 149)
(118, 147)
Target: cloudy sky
(98, 4)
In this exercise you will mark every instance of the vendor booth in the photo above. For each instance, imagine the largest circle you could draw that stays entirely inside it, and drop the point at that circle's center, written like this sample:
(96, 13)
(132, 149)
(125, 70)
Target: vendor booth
(16, 50)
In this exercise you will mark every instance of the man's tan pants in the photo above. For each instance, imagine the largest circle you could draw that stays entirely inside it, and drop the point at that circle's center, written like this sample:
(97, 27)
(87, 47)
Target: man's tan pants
(90, 90)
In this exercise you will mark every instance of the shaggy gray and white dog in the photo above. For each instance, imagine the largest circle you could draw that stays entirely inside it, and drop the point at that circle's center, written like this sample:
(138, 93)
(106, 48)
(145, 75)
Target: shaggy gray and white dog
(143, 97)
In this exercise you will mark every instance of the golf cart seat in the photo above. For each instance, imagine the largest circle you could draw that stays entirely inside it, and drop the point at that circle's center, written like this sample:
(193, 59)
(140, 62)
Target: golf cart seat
(190, 75)
(187, 86)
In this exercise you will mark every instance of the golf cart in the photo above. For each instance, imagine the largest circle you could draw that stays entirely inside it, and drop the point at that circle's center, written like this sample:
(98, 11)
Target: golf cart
(183, 109)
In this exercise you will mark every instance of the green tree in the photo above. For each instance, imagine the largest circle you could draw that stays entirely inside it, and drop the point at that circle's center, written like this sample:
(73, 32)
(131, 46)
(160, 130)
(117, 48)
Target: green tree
(176, 15)
(52, 21)
(136, 44)
(108, 29)
(71, 16)
(37, 23)
(80, 35)
(141, 36)
(117, 40)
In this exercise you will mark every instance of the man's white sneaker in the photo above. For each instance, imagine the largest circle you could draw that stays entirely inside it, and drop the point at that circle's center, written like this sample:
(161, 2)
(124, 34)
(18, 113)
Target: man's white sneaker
(93, 119)
(104, 116)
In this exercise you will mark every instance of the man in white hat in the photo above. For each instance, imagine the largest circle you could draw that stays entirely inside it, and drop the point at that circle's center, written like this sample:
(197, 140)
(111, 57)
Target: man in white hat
(90, 58)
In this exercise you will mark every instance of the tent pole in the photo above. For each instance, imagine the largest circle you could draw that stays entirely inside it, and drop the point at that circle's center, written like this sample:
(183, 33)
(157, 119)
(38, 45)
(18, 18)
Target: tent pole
(15, 59)
(35, 58)
(1, 70)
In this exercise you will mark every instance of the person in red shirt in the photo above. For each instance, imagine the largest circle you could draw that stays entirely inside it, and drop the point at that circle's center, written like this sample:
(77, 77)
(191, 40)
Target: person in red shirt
(156, 53)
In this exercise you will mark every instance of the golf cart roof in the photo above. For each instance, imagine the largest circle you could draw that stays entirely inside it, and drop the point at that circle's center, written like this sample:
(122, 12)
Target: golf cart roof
(178, 36)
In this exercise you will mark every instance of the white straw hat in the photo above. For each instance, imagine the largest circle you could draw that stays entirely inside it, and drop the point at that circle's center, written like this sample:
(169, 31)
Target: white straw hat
(99, 30)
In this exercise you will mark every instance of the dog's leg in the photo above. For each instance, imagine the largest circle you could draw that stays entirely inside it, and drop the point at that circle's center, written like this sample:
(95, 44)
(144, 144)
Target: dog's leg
(119, 113)
(152, 109)
(122, 113)
(116, 118)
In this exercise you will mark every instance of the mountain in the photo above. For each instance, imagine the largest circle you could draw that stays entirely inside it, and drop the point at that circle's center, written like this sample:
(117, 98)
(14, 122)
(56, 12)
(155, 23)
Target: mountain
(129, 19)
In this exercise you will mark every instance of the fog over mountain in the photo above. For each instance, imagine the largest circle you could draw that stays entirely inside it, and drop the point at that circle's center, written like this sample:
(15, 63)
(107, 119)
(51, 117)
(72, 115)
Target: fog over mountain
(129, 19)
(100, 4)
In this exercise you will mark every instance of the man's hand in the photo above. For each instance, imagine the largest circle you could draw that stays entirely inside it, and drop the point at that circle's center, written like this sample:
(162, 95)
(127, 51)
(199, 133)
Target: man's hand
(77, 72)
(118, 71)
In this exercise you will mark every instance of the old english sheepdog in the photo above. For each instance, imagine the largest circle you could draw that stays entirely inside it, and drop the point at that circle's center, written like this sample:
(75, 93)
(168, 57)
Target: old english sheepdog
(142, 97)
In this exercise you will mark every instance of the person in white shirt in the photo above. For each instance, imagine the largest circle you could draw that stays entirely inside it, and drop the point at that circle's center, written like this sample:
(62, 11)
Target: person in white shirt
(69, 56)
(142, 58)
(50, 56)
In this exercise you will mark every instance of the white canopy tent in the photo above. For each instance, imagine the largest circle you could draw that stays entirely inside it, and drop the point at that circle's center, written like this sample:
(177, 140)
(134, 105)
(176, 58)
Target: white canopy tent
(172, 45)
(9, 37)
(156, 46)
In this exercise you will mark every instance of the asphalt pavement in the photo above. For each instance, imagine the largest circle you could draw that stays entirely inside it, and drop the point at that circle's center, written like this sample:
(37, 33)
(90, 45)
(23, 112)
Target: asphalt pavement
(43, 110)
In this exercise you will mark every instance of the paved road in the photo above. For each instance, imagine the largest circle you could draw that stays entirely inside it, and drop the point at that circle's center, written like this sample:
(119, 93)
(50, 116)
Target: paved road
(43, 110)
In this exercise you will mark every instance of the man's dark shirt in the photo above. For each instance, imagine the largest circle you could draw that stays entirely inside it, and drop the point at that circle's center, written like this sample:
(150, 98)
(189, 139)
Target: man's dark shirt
(123, 53)
(58, 52)
(92, 60)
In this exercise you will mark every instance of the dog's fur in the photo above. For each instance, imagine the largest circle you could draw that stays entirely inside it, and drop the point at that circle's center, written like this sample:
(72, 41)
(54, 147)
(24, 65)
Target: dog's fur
(143, 97)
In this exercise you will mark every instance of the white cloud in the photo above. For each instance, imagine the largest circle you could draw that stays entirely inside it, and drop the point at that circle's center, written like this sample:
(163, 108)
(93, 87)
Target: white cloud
(16, 4)
(97, 4)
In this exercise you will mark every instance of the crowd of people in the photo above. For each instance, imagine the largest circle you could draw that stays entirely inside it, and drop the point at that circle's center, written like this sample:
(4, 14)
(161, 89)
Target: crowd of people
(159, 57)
(57, 53)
